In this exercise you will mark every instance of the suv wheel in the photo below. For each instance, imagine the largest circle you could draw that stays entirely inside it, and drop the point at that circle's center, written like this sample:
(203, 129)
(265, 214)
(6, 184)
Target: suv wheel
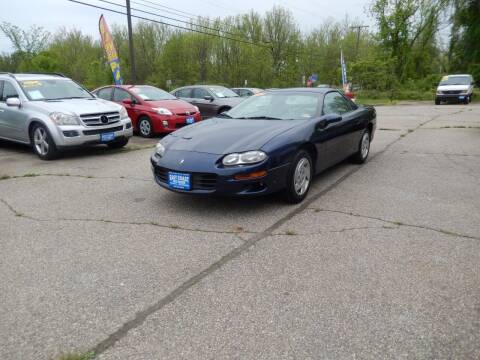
(299, 177)
(42, 143)
(145, 127)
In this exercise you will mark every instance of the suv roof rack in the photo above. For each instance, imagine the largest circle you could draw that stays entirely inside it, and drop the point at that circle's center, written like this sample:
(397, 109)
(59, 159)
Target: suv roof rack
(7, 73)
(44, 73)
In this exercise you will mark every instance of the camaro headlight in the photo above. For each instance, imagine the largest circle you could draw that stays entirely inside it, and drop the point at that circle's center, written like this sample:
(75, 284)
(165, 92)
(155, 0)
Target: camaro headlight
(64, 119)
(249, 157)
(163, 111)
(123, 113)
(160, 149)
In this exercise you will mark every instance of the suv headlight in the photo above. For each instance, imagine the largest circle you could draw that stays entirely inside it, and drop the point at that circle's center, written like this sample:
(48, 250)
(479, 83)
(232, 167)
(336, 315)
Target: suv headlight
(64, 119)
(123, 113)
(162, 111)
(160, 149)
(249, 157)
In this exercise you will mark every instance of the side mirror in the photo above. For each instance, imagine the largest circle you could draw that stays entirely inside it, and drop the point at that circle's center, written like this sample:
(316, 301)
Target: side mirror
(209, 98)
(326, 120)
(127, 102)
(13, 102)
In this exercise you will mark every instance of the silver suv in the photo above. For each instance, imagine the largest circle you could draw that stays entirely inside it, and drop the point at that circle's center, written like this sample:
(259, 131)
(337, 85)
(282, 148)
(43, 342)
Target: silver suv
(52, 112)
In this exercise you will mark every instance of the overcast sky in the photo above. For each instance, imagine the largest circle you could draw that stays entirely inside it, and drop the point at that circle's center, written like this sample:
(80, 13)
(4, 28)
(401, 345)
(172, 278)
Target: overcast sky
(54, 14)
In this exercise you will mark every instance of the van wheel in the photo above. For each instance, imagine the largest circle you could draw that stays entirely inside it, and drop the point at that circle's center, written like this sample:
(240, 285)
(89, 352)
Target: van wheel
(299, 178)
(42, 143)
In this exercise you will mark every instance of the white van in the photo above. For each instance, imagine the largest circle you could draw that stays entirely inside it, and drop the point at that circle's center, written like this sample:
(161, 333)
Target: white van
(455, 88)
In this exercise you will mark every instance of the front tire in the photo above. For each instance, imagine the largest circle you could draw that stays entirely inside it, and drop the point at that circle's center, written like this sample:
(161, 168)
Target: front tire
(437, 101)
(363, 149)
(145, 128)
(118, 144)
(299, 178)
(42, 142)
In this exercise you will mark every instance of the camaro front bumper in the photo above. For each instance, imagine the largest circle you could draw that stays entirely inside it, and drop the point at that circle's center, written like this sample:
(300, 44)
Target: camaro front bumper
(209, 178)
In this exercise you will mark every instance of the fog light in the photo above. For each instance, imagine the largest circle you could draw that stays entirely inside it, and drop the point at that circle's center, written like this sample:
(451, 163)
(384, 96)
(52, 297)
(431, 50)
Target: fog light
(128, 126)
(165, 123)
(70, 133)
(253, 175)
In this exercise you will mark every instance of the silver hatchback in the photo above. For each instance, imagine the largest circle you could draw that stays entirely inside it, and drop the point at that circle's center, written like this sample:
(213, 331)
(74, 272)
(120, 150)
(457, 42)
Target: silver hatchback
(52, 112)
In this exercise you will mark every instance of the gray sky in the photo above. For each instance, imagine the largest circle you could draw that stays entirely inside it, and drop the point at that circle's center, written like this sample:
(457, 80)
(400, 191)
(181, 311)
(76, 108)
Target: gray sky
(54, 14)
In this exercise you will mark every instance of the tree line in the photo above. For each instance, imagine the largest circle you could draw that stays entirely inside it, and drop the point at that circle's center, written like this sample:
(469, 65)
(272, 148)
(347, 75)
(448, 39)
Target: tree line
(405, 56)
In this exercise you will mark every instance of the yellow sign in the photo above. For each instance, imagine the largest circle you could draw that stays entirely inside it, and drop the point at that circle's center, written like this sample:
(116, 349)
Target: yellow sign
(112, 56)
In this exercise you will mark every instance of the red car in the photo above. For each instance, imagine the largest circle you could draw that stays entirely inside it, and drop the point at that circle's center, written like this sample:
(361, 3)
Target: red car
(151, 109)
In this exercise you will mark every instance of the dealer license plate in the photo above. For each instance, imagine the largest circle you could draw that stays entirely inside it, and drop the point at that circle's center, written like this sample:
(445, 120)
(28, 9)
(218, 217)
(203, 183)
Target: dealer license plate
(106, 137)
(179, 181)
(190, 120)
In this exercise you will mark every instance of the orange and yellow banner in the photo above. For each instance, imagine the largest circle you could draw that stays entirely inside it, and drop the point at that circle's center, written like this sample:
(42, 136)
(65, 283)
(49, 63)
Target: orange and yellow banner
(108, 45)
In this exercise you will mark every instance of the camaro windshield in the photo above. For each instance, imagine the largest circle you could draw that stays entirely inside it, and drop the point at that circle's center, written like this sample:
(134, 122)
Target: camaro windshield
(54, 89)
(456, 80)
(151, 93)
(222, 92)
(281, 106)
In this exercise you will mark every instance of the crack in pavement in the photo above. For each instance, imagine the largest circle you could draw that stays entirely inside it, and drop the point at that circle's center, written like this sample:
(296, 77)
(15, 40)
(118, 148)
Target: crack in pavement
(397, 223)
(34, 175)
(119, 222)
(319, 232)
(437, 153)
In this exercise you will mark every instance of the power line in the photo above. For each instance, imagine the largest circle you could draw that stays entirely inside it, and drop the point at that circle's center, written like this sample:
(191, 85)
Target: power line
(164, 7)
(170, 18)
(169, 24)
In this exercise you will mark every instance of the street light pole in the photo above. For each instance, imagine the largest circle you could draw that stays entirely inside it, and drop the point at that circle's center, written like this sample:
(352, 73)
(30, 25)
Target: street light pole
(130, 44)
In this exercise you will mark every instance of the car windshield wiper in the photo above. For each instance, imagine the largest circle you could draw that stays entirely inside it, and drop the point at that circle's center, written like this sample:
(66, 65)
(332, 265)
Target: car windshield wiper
(260, 118)
(70, 97)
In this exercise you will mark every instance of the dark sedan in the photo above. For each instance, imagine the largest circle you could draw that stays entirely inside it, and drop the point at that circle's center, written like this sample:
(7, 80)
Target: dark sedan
(274, 141)
(210, 99)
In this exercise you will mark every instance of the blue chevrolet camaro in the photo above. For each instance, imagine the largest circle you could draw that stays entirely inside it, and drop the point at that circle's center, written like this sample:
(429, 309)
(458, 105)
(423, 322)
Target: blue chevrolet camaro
(274, 141)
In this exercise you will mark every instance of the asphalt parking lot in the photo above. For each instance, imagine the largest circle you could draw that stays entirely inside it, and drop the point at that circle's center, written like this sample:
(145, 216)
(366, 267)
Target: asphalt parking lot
(380, 261)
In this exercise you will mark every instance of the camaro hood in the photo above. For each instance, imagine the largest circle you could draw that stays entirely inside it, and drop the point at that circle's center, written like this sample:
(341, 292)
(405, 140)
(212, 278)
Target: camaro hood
(224, 136)
(452, 87)
(78, 106)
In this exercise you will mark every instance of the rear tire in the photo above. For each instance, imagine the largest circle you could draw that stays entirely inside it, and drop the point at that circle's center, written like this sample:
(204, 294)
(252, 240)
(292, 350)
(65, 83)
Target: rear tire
(363, 149)
(117, 144)
(299, 178)
(145, 128)
(42, 143)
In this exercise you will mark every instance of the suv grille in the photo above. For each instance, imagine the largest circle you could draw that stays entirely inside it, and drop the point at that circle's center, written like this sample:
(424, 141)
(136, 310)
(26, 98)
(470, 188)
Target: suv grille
(199, 181)
(100, 119)
(452, 92)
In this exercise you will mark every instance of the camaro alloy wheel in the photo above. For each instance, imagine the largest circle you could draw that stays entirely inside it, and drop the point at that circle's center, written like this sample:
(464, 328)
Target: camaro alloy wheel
(302, 176)
(363, 149)
(42, 143)
(299, 178)
(145, 127)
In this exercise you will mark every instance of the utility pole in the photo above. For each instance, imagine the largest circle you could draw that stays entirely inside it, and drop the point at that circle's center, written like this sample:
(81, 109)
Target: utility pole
(359, 28)
(130, 44)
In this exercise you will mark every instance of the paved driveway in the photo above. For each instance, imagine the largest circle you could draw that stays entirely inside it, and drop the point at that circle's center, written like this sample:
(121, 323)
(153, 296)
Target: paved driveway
(380, 261)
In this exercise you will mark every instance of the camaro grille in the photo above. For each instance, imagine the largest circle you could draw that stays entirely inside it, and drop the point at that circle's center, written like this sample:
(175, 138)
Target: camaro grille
(100, 119)
(200, 181)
